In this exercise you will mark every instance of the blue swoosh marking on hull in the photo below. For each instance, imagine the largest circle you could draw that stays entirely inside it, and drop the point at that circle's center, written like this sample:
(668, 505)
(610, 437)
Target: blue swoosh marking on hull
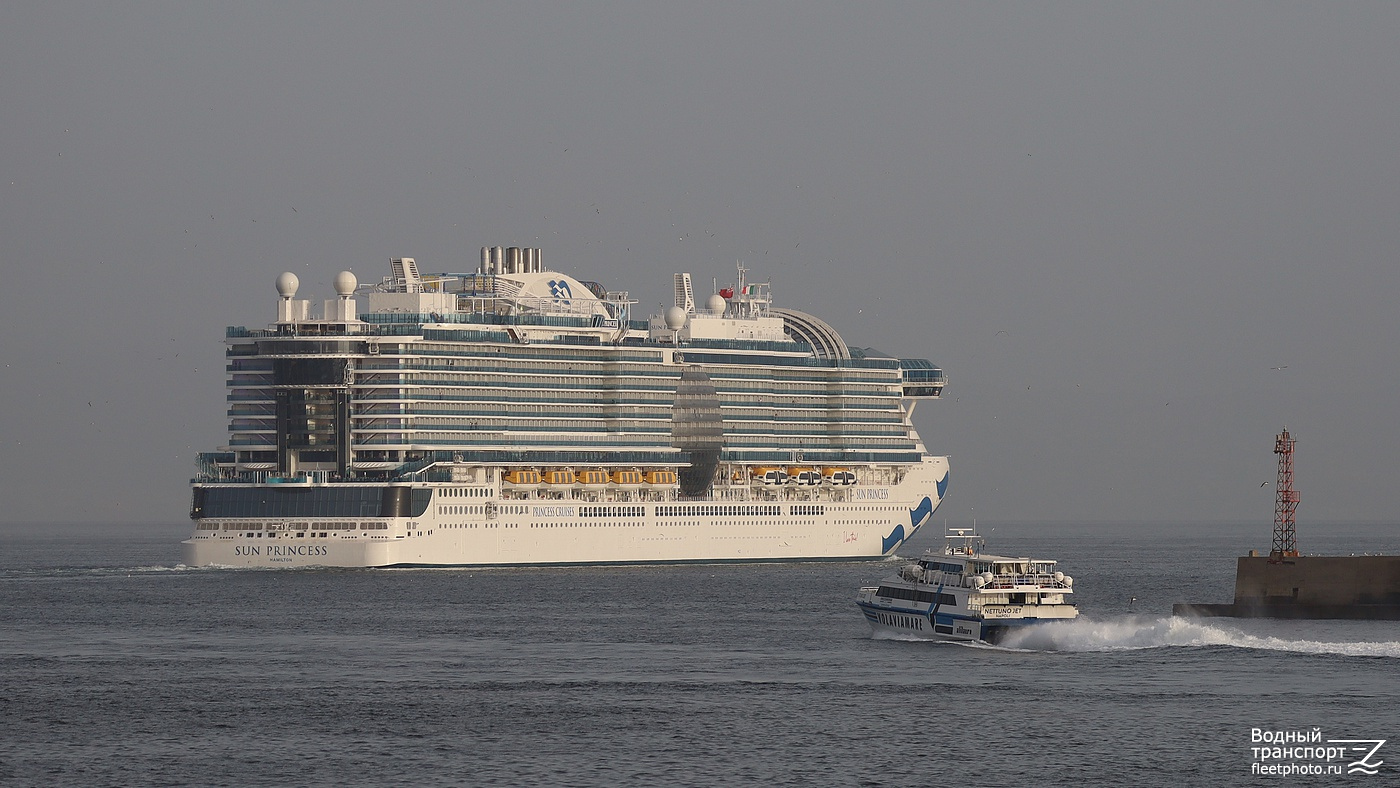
(893, 540)
(918, 514)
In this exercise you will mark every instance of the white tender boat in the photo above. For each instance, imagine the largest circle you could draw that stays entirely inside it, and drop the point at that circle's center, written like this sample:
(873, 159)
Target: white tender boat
(962, 593)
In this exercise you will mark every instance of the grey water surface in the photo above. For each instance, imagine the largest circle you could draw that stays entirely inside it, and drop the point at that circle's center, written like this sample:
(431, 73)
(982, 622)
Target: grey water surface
(120, 667)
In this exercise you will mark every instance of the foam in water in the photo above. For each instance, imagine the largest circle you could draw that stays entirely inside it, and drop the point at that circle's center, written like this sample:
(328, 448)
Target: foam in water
(1142, 633)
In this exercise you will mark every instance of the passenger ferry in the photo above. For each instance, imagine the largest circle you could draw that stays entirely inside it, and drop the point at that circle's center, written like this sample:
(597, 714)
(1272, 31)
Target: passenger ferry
(961, 593)
(512, 415)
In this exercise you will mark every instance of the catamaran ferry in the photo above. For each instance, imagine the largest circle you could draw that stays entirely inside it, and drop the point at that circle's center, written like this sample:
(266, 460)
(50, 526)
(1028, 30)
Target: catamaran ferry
(517, 416)
(962, 593)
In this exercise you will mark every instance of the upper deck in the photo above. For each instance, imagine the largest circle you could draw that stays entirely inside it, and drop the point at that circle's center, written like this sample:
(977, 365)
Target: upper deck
(513, 364)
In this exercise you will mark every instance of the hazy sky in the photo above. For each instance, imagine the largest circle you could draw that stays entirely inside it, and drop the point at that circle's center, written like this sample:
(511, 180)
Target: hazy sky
(1107, 222)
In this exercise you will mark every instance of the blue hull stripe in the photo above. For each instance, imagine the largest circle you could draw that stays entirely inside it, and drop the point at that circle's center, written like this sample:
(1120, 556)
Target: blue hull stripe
(942, 617)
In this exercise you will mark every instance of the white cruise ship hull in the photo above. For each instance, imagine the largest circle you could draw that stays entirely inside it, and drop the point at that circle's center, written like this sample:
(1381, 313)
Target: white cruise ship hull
(867, 523)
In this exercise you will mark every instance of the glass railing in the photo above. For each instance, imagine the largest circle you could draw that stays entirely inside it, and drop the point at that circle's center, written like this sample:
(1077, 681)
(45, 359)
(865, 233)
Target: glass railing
(694, 357)
(747, 344)
(546, 457)
(253, 440)
(402, 439)
(819, 457)
(556, 432)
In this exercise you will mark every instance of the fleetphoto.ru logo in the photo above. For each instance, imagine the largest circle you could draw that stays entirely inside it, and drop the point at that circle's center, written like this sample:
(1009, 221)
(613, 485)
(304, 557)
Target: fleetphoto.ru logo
(1306, 752)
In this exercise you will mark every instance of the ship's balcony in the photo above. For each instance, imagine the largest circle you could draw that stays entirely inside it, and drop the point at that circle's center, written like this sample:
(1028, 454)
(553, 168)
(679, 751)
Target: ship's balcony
(245, 440)
(921, 379)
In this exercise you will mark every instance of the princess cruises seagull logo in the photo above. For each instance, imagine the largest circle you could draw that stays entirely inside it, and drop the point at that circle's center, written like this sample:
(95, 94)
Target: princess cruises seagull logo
(560, 290)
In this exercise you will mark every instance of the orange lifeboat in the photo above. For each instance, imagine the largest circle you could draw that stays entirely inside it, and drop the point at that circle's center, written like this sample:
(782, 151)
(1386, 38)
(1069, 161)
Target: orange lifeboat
(593, 478)
(661, 478)
(839, 477)
(631, 478)
(522, 477)
(769, 477)
(561, 477)
(806, 477)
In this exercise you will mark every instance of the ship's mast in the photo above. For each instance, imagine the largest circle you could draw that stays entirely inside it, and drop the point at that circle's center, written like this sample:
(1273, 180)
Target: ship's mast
(1285, 501)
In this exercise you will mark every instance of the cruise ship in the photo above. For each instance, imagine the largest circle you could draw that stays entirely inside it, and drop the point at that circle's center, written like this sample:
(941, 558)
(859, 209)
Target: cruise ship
(513, 415)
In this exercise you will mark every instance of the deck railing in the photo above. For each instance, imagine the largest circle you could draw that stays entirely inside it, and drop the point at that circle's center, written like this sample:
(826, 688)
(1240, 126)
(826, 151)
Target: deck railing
(1012, 582)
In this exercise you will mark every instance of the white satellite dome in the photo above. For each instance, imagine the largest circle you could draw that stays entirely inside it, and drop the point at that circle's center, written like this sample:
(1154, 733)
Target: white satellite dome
(287, 284)
(674, 317)
(345, 283)
(717, 303)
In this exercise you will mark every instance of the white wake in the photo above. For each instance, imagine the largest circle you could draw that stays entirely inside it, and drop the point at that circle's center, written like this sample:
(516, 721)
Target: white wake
(1142, 633)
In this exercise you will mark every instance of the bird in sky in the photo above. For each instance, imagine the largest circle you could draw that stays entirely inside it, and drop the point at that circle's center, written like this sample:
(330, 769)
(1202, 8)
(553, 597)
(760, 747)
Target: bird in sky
(1285, 366)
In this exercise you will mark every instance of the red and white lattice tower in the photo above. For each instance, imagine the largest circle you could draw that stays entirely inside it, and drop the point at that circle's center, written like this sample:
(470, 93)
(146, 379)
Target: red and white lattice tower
(1285, 501)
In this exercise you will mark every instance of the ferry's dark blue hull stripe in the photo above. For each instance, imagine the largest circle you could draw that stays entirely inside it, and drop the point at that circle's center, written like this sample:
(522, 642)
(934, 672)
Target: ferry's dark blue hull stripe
(947, 619)
(943, 618)
(936, 595)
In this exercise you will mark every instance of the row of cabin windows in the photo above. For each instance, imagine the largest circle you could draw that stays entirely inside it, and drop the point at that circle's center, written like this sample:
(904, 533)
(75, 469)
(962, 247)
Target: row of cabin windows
(720, 510)
(913, 595)
(611, 511)
(938, 566)
(461, 510)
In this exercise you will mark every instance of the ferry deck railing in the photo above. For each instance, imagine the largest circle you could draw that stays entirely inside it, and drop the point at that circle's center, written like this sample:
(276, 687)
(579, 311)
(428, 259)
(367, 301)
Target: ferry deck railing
(1013, 582)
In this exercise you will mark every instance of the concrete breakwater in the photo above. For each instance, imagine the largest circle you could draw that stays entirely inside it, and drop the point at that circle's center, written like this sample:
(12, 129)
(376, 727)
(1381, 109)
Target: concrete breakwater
(1358, 587)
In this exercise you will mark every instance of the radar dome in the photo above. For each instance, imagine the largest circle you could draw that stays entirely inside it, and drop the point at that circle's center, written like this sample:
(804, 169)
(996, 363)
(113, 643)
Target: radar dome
(717, 303)
(287, 284)
(345, 283)
(675, 318)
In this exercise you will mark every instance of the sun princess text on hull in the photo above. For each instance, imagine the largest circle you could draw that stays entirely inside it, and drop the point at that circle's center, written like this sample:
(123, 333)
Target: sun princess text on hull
(513, 415)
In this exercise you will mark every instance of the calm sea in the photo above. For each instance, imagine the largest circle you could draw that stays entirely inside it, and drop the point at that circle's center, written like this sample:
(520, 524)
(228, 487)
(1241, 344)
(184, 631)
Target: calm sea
(120, 667)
